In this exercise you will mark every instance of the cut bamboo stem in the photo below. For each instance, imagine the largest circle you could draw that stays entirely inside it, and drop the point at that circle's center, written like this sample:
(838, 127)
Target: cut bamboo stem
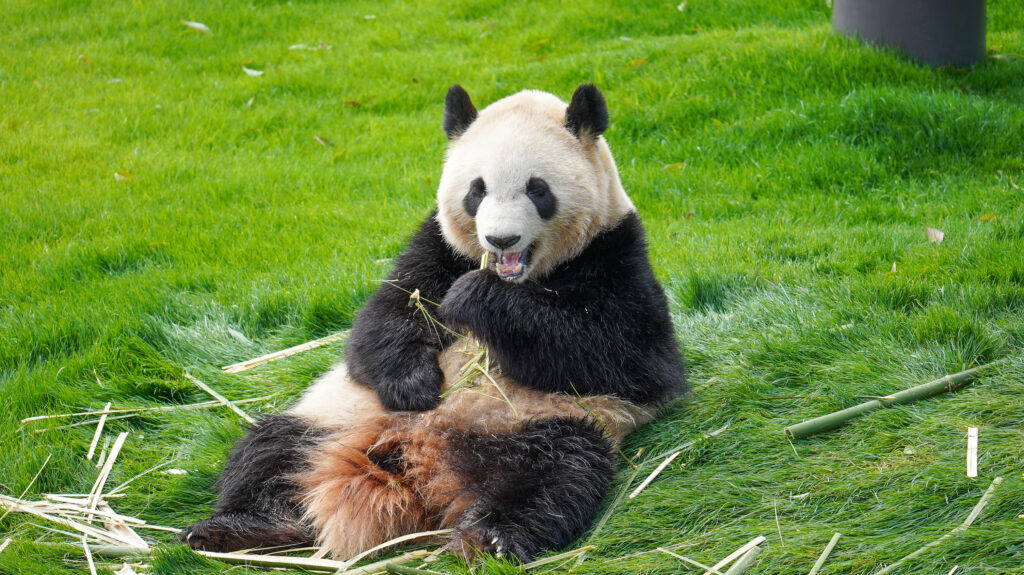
(99, 432)
(246, 365)
(395, 541)
(227, 402)
(309, 564)
(745, 561)
(737, 554)
(956, 531)
(972, 452)
(404, 570)
(833, 420)
(685, 559)
(824, 554)
(654, 474)
(97, 489)
(5, 544)
(88, 556)
(559, 557)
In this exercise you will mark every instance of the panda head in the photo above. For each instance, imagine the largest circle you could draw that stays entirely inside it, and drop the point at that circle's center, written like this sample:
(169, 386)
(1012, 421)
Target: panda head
(528, 179)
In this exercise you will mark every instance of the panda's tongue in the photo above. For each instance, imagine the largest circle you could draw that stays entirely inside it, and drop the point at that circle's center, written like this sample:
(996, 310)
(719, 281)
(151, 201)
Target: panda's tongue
(510, 264)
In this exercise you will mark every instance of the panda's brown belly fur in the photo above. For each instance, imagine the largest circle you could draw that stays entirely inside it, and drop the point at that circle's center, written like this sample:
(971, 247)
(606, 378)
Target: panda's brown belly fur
(379, 474)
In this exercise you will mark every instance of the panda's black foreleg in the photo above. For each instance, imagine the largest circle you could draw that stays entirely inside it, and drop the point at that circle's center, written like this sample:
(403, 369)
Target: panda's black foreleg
(257, 500)
(537, 488)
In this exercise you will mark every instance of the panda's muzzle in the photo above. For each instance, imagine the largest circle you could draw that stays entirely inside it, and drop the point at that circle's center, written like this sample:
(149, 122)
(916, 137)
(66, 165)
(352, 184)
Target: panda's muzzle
(512, 265)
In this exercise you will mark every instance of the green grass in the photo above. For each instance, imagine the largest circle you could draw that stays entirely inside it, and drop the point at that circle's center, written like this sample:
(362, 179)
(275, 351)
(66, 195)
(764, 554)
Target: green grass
(781, 172)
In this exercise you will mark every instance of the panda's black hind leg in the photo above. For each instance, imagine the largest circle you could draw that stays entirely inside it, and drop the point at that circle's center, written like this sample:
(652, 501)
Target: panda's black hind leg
(257, 503)
(537, 489)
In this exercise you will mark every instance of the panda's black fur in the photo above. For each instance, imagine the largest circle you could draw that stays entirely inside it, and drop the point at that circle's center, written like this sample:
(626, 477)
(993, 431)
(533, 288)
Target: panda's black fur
(594, 328)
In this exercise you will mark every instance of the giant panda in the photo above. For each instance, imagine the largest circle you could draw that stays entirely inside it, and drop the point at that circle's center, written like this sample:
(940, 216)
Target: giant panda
(486, 400)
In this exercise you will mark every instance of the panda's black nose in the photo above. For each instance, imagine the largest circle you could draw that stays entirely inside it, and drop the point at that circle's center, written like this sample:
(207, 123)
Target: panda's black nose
(502, 242)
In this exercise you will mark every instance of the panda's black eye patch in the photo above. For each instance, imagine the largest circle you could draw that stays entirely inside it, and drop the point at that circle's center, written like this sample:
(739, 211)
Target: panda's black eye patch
(540, 194)
(477, 191)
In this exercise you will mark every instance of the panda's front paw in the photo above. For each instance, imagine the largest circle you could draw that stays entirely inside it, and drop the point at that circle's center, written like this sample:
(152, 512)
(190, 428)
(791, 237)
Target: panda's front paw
(467, 298)
(414, 385)
(471, 541)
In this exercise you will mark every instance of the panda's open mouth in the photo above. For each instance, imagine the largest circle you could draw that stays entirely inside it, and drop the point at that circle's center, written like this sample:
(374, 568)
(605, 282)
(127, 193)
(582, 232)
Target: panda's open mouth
(512, 265)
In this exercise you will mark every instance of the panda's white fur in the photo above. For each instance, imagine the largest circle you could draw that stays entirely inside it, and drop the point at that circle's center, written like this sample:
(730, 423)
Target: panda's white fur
(514, 139)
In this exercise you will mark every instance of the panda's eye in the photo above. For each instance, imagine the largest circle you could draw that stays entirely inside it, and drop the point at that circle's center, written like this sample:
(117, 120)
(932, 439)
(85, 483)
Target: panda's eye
(540, 194)
(477, 191)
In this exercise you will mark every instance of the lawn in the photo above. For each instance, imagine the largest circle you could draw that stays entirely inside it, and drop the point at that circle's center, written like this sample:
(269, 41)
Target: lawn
(163, 210)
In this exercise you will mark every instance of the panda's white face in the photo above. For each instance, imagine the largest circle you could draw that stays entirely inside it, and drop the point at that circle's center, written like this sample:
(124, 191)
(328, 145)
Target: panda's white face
(519, 185)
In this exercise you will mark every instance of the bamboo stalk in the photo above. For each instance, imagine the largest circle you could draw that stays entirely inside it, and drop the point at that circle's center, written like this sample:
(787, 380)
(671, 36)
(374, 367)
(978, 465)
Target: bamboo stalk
(97, 489)
(5, 544)
(246, 365)
(307, 563)
(824, 554)
(957, 530)
(404, 570)
(657, 471)
(559, 557)
(833, 420)
(88, 556)
(737, 553)
(972, 452)
(395, 541)
(99, 432)
(707, 568)
(745, 561)
(227, 402)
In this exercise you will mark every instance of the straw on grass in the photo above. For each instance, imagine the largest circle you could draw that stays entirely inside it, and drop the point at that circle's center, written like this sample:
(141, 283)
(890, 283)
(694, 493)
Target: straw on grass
(249, 364)
(824, 554)
(99, 432)
(310, 564)
(559, 557)
(139, 410)
(88, 556)
(101, 481)
(227, 402)
(956, 531)
(393, 542)
(691, 561)
(5, 544)
(654, 474)
(778, 527)
(833, 420)
(745, 561)
(972, 452)
(30, 483)
(737, 554)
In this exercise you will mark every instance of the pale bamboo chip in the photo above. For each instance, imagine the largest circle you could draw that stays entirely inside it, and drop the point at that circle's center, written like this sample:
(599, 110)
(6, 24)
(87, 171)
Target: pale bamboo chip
(691, 561)
(824, 554)
(393, 542)
(99, 432)
(246, 365)
(559, 557)
(654, 474)
(227, 402)
(5, 544)
(972, 452)
(737, 553)
(88, 556)
(97, 489)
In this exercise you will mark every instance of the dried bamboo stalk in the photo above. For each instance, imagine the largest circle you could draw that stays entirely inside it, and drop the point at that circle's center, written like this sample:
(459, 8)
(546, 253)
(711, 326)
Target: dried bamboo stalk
(94, 532)
(246, 365)
(559, 557)
(307, 563)
(654, 474)
(745, 561)
(227, 402)
(88, 556)
(138, 410)
(5, 544)
(99, 432)
(30, 484)
(972, 452)
(393, 542)
(737, 553)
(824, 554)
(691, 561)
(957, 530)
(97, 489)
(953, 570)
(833, 420)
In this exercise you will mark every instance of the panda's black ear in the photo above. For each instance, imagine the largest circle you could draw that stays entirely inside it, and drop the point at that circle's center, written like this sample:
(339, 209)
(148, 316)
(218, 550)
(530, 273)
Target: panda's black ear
(459, 112)
(587, 115)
